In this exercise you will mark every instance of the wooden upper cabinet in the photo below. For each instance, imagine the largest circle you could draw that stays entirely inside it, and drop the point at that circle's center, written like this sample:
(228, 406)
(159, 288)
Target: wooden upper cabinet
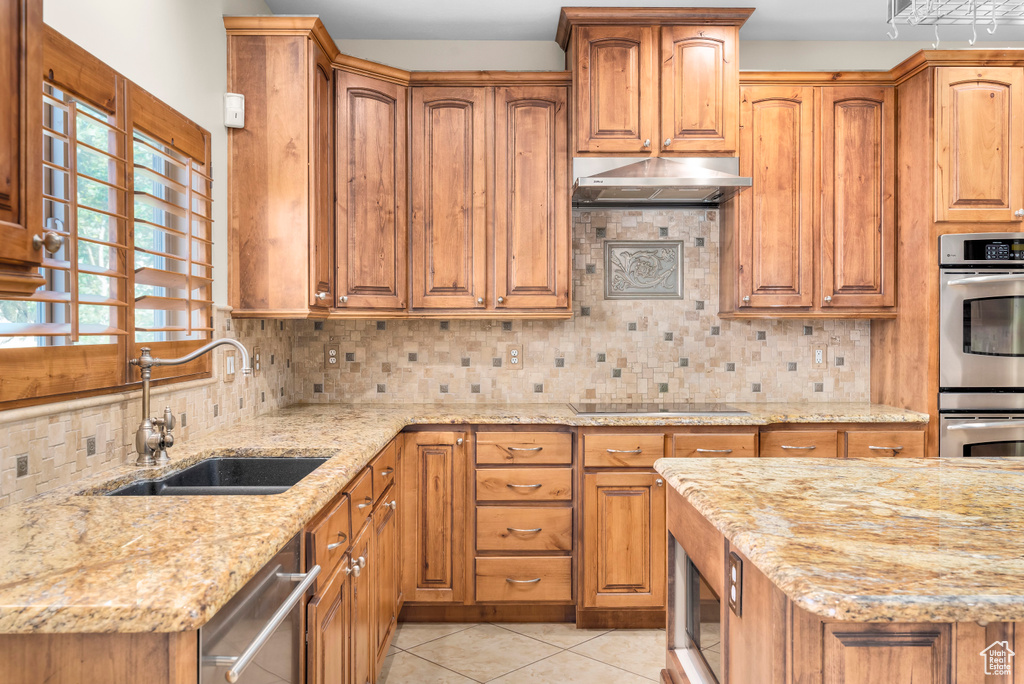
(775, 232)
(449, 198)
(858, 235)
(21, 171)
(699, 89)
(531, 198)
(616, 89)
(321, 181)
(280, 194)
(372, 228)
(979, 144)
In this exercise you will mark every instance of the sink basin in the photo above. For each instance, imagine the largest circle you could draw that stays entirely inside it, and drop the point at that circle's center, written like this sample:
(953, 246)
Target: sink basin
(227, 476)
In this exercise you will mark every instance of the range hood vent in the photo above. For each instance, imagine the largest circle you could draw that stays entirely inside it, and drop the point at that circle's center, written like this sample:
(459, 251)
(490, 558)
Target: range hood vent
(687, 181)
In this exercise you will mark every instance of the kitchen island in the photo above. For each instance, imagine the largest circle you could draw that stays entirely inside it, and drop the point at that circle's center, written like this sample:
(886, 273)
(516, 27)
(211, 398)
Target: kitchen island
(862, 571)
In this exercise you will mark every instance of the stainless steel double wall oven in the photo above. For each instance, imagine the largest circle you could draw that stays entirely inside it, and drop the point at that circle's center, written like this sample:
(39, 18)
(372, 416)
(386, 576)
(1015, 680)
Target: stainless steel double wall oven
(981, 345)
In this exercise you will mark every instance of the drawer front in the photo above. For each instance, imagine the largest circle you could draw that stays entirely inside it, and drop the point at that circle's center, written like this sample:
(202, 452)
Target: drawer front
(511, 448)
(711, 445)
(630, 451)
(524, 580)
(875, 443)
(789, 443)
(330, 539)
(383, 469)
(506, 528)
(360, 495)
(524, 484)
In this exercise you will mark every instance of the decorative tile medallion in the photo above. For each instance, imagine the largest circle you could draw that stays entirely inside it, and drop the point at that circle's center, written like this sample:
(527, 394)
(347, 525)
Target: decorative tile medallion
(643, 270)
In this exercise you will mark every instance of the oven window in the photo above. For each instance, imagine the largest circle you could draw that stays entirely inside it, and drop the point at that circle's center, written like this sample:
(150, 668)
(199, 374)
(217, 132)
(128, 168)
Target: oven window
(994, 449)
(703, 620)
(994, 326)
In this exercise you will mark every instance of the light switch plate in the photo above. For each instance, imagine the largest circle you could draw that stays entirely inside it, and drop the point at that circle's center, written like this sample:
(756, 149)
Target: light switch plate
(514, 357)
(256, 361)
(229, 366)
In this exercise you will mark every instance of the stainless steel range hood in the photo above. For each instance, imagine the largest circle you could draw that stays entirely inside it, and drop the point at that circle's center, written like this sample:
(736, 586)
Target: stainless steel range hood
(657, 180)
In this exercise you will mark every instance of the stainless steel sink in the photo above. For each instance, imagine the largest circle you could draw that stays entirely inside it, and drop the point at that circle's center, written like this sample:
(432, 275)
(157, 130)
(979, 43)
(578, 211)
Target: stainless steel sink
(227, 476)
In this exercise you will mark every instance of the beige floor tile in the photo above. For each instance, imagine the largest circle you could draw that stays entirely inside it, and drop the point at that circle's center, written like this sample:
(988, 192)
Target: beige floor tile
(640, 651)
(484, 652)
(561, 634)
(412, 634)
(405, 668)
(570, 668)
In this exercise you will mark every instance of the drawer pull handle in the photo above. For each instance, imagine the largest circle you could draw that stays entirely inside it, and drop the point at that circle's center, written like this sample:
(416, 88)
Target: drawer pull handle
(516, 529)
(369, 502)
(512, 581)
(798, 448)
(515, 486)
(713, 451)
(525, 448)
(342, 538)
(638, 450)
(387, 472)
(881, 448)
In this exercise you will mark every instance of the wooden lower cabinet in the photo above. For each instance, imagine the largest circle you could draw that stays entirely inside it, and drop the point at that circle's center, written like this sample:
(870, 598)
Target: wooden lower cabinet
(623, 540)
(364, 651)
(386, 577)
(327, 630)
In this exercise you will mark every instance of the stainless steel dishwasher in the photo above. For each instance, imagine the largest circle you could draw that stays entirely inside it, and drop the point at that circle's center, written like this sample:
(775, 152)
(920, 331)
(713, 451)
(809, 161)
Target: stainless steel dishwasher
(256, 638)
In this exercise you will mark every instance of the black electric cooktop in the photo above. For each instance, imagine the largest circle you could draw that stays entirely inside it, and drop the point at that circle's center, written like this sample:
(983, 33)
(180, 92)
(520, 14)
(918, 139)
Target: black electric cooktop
(654, 409)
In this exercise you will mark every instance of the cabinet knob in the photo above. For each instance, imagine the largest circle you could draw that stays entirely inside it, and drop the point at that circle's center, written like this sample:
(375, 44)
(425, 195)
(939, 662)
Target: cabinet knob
(668, 141)
(647, 143)
(1019, 213)
(828, 298)
(459, 441)
(501, 300)
(51, 240)
(479, 300)
(321, 295)
(343, 299)
(659, 482)
(746, 299)
(393, 505)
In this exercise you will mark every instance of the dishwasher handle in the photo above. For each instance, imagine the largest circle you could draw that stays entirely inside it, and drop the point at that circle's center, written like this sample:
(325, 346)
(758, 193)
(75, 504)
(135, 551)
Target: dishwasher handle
(239, 663)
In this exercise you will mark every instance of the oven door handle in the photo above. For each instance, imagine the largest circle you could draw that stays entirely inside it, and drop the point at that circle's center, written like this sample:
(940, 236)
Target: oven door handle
(980, 280)
(239, 663)
(993, 425)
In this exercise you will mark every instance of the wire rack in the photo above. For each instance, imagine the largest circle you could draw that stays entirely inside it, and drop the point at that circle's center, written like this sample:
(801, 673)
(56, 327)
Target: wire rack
(978, 13)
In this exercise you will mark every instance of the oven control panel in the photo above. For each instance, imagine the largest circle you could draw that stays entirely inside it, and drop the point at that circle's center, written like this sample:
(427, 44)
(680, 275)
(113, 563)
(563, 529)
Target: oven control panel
(994, 250)
(982, 248)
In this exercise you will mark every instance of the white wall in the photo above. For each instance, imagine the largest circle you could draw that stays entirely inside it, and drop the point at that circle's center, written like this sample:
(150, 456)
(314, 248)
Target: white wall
(177, 50)
(850, 55)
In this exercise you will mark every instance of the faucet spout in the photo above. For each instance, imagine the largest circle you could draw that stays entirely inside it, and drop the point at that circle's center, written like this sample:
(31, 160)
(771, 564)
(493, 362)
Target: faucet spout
(154, 434)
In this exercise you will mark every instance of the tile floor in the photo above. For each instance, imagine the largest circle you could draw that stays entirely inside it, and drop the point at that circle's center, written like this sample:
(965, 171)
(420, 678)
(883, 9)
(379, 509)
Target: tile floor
(507, 653)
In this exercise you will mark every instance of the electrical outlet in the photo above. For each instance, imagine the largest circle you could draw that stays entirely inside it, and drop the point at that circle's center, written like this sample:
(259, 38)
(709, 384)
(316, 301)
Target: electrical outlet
(256, 362)
(332, 355)
(820, 359)
(514, 357)
(735, 584)
(229, 366)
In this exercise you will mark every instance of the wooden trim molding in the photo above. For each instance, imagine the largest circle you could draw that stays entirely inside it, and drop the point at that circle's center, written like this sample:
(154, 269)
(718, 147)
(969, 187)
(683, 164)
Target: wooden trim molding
(647, 16)
(285, 25)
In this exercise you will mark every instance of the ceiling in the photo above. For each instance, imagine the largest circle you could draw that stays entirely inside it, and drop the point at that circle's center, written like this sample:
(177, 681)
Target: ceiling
(536, 19)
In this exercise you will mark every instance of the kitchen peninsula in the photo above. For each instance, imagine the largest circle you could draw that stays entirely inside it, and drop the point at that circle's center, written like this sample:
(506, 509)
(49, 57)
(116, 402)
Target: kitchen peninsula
(862, 571)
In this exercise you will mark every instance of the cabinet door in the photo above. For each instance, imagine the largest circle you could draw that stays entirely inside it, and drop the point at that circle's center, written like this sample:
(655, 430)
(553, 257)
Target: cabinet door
(386, 575)
(699, 89)
(623, 540)
(434, 504)
(372, 228)
(449, 202)
(363, 658)
(776, 226)
(327, 630)
(979, 145)
(21, 120)
(321, 182)
(615, 82)
(531, 198)
(858, 179)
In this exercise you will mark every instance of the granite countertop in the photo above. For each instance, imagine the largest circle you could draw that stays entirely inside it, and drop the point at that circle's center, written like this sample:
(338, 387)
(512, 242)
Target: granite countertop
(70, 562)
(895, 540)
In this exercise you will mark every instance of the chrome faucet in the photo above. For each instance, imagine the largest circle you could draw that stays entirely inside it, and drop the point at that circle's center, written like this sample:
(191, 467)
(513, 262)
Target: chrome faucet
(154, 438)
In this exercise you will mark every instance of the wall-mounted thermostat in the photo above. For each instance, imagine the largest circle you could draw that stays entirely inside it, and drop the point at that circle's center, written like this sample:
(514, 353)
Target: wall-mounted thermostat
(234, 110)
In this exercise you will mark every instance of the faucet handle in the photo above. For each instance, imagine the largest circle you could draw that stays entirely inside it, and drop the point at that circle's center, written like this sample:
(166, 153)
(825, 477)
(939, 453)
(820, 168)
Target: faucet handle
(168, 418)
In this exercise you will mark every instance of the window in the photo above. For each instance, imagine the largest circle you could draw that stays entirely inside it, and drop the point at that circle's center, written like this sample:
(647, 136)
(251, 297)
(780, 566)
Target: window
(131, 196)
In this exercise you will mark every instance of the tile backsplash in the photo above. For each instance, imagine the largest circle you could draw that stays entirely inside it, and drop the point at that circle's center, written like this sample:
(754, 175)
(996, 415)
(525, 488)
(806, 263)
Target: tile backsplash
(612, 350)
(55, 443)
